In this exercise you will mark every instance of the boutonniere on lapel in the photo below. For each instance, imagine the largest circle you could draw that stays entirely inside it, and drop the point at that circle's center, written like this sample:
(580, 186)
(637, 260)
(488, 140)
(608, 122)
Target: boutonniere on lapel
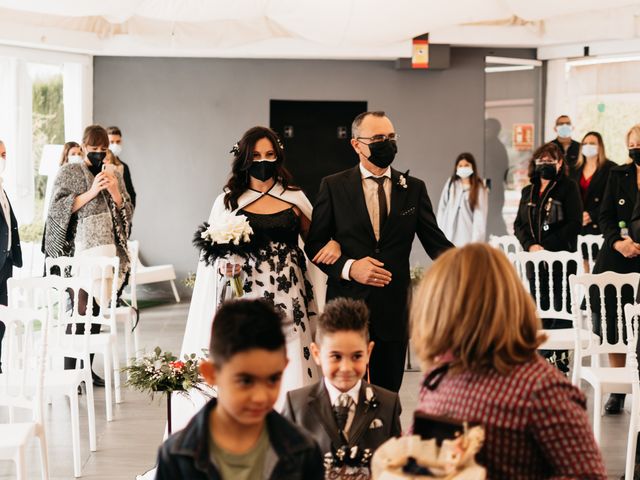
(370, 399)
(402, 180)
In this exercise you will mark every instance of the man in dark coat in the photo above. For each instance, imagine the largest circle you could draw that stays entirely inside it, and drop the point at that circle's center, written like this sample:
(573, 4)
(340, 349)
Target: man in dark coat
(374, 212)
(10, 252)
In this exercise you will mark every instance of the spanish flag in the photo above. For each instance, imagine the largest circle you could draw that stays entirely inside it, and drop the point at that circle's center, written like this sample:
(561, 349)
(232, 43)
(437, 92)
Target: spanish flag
(420, 56)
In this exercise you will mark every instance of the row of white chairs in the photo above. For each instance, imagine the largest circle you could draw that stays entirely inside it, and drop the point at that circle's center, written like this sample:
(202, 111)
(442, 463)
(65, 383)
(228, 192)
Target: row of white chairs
(57, 298)
(586, 290)
(588, 245)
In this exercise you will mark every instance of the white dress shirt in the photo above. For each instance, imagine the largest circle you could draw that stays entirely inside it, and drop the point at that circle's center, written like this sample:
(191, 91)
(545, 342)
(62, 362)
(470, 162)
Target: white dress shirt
(370, 189)
(354, 393)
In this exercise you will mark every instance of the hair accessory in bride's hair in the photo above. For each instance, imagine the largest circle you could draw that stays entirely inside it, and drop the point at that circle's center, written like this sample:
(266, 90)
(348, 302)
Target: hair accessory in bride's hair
(280, 144)
(235, 149)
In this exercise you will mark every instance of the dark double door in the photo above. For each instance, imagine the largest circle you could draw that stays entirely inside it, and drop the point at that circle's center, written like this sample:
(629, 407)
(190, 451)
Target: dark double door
(316, 137)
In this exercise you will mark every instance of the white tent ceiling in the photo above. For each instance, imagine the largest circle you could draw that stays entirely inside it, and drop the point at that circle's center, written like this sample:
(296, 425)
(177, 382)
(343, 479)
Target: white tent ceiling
(371, 29)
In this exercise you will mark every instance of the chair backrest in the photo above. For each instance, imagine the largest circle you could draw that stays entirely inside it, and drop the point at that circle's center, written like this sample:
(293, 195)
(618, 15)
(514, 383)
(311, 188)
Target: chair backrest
(538, 269)
(507, 243)
(589, 247)
(631, 318)
(103, 271)
(23, 358)
(589, 294)
(57, 294)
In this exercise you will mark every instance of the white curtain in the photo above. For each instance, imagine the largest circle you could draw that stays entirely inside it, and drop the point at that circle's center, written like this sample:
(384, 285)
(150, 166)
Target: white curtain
(77, 95)
(16, 133)
(78, 99)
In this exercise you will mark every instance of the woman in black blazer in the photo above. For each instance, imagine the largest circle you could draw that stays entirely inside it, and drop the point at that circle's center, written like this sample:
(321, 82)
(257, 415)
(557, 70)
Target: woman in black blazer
(549, 218)
(619, 253)
(591, 174)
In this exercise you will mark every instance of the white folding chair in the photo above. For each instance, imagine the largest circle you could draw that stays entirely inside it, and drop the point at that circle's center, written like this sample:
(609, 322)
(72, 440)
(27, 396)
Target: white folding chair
(53, 291)
(103, 273)
(591, 245)
(631, 314)
(155, 274)
(21, 385)
(543, 264)
(602, 379)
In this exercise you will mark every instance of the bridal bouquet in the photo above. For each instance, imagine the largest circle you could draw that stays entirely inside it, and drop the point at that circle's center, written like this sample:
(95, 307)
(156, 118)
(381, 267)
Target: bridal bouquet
(229, 236)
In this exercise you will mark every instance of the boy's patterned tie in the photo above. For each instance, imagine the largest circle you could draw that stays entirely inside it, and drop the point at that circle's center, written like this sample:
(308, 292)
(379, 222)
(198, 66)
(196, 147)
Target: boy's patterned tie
(341, 410)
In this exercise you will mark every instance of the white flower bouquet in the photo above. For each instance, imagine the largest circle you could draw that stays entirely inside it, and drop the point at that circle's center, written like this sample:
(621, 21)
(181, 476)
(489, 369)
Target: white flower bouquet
(228, 236)
(412, 457)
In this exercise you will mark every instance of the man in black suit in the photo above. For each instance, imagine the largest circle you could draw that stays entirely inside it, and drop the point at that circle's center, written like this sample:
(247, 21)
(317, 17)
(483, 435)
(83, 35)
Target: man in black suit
(10, 252)
(374, 212)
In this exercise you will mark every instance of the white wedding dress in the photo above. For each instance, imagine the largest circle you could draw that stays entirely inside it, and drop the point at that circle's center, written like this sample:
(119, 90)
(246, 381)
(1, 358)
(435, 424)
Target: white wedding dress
(285, 278)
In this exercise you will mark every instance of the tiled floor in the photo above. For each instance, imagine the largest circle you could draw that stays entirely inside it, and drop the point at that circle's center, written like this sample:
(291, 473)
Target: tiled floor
(127, 446)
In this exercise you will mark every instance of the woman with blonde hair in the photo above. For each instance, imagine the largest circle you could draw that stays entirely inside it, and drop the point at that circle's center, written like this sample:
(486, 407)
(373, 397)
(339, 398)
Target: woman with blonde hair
(591, 173)
(620, 251)
(477, 342)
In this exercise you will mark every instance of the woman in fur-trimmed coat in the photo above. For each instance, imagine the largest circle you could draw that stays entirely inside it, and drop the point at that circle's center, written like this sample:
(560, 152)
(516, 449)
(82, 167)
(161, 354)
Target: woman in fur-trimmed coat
(89, 214)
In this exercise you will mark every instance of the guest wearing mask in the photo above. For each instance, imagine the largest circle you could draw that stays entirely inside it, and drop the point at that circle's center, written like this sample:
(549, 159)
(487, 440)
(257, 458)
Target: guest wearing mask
(620, 252)
(89, 215)
(463, 207)
(71, 153)
(549, 218)
(591, 174)
(570, 148)
(115, 145)
(10, 252)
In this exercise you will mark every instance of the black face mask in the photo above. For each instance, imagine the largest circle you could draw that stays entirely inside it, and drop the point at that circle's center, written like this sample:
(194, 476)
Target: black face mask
(634, 154)
(383, 153)
(546, 172)
(262, 171)
(96, 159)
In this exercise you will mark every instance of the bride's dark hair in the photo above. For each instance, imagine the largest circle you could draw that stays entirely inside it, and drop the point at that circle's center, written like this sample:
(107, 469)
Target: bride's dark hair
(238, 182)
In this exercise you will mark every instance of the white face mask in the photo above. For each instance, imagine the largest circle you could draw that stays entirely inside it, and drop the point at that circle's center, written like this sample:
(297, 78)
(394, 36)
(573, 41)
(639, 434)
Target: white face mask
(464, 172)
(76, 159)
(116, 149)
(590, 150)
(3, 165)
(564, 130)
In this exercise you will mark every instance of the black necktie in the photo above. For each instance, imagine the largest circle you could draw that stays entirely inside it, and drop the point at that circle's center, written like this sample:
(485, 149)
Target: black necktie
(341, 410)
(382, 201)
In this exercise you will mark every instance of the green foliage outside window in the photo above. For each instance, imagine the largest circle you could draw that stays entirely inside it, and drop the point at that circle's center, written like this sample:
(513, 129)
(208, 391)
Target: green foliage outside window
(48, 128)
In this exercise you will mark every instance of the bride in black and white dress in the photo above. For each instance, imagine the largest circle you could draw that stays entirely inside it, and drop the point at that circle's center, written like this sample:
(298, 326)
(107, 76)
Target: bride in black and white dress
(279, 214)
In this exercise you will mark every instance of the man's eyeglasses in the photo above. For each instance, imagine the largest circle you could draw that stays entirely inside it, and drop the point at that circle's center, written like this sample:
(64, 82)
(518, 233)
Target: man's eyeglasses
(379, 138)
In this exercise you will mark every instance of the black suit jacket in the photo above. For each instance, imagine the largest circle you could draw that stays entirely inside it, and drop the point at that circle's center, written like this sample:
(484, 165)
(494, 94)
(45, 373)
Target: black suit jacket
(619, 199)
(310, 408)
(15, 254)
(340, 213)
(592, 200)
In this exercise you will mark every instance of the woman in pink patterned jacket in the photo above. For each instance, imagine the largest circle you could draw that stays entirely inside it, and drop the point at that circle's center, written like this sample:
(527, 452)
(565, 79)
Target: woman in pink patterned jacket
(476, 332)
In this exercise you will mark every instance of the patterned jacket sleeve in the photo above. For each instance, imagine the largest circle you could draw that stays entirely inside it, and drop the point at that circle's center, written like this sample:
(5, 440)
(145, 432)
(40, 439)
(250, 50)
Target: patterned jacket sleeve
(126, 210)
(67, 186)
(559, 423)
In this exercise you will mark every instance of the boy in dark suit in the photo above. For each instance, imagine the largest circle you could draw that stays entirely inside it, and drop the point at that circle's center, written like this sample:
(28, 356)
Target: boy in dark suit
(343, 411)
(238, 434)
